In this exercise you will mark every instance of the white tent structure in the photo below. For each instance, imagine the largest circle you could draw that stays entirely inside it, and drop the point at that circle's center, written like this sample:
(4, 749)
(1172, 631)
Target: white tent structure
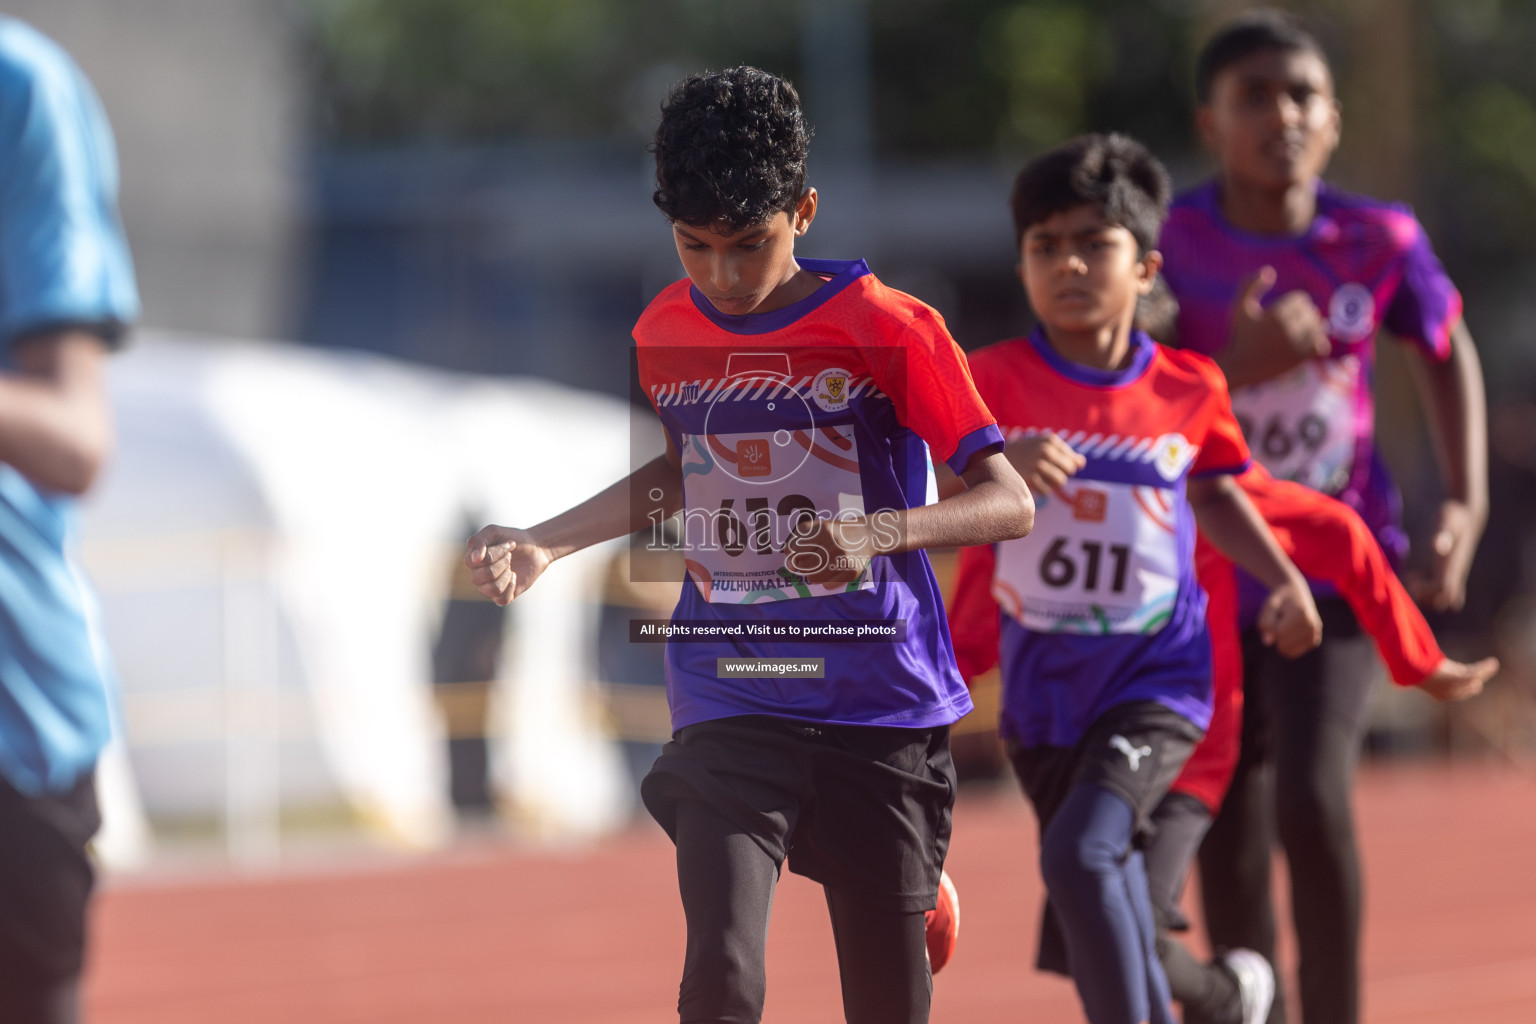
(273, 545)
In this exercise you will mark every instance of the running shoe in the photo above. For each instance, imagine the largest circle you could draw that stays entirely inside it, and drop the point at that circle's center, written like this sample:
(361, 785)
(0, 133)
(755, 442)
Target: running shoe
(1255, 982)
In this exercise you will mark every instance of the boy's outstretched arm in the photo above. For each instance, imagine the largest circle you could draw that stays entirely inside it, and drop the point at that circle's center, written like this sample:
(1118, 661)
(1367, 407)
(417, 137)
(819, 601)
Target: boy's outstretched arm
(995, 505)
(1453, 396)
(1288, 621)
(1045, 462)
(1327, 541)
(504, 561)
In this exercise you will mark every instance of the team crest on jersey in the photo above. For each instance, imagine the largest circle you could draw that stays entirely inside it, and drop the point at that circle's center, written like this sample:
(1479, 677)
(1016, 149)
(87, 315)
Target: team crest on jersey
(1172, 454)
(1351, 312)
(830, 390)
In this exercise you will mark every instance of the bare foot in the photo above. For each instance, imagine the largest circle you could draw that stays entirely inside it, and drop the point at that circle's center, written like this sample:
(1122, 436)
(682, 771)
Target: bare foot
(1451, 680)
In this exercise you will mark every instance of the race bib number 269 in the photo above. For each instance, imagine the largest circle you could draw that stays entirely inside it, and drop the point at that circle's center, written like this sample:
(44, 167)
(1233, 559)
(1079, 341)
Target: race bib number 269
(1303, 426)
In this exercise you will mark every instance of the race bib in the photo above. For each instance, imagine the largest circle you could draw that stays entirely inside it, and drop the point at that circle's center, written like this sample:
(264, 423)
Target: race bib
(1303, 426)
(744, 495)
(1103, 558)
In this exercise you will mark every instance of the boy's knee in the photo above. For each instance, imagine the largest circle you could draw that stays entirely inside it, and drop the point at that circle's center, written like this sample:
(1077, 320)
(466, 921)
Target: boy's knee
(1313, 811)
(1065, 859)
(719, 992)
(724, 980)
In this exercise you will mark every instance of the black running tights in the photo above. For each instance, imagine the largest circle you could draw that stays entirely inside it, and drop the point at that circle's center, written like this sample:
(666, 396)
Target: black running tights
(1303, 722)
(727, 884)
(1207, 991)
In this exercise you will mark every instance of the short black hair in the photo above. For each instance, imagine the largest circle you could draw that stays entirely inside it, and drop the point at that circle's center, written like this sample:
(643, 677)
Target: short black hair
(1113, 172)
(1245, 35)
(730, 149)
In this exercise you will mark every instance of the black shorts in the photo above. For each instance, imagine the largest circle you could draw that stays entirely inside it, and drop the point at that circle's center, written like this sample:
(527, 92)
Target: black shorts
(46, 879)
(861, 809)
(1133, 750)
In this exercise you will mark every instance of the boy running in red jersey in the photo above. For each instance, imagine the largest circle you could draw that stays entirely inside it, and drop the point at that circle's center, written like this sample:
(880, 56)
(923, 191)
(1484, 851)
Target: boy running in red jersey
(1286, 281)
(1105, 656)
(1328, 542)
(801, 399)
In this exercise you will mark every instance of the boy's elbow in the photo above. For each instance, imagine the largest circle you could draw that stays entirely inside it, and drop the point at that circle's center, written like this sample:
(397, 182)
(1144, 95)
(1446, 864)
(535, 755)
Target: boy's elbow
(1010, 508)
(1021, 518)
(1026, 514)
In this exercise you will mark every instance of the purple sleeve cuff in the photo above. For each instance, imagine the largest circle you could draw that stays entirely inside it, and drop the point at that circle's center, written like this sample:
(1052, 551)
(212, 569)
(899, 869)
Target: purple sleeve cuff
(1427, 304)
(1237, 470)
(976, 441)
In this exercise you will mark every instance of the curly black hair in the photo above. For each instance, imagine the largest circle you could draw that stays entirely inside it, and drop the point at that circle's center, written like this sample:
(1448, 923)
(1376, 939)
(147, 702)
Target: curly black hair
(1113, 172)
(730, 149)
(1247, 34)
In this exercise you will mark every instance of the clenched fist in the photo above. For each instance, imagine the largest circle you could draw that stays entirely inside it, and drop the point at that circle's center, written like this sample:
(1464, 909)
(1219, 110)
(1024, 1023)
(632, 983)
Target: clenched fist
(1289, 622)
(1269, 340)
(504, 561)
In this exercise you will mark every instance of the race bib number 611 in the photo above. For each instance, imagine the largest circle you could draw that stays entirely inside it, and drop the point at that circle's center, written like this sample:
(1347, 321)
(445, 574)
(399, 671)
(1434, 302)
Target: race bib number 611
(1103, 558)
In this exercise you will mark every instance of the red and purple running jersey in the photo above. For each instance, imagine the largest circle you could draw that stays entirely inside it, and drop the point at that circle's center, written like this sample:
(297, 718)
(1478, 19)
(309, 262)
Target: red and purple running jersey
(828, 407)
(1366, 265)
(1100, 603)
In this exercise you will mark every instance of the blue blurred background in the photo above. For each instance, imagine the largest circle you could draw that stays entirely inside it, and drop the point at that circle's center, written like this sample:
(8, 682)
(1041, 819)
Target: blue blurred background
(463, 186)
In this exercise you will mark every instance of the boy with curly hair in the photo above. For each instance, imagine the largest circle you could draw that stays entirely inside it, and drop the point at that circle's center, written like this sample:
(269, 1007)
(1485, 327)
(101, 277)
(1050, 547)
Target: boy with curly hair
(801, 399)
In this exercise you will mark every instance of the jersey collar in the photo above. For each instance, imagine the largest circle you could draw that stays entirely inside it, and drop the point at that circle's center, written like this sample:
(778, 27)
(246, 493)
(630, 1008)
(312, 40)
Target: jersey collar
(843, 273)
(1142, 348)
(1208, 198)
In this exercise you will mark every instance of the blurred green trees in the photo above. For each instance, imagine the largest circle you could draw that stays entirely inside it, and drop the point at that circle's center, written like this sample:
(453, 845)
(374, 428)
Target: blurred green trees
(1439, 95)
(949, 75)
(397, 71)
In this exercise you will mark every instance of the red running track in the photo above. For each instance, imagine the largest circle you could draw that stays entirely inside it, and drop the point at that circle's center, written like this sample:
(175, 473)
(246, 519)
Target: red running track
(595, 936)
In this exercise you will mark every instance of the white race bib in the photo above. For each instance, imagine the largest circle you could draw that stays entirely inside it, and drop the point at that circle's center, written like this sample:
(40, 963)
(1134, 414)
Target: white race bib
(1102, 558)
(1303, 426)
(743, 495)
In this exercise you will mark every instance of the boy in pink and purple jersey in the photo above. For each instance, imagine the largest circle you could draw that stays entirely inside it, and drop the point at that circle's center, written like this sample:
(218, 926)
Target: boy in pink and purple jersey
(1286, 282)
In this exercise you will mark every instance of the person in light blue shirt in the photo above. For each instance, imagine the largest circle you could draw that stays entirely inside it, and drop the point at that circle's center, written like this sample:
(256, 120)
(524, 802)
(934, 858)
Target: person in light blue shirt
(67, 294)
